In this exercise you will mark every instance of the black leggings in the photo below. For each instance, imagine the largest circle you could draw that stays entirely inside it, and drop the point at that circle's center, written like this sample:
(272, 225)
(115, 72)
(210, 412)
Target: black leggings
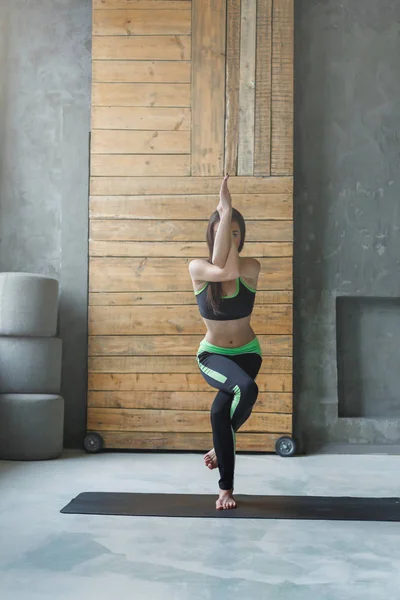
(234, 377)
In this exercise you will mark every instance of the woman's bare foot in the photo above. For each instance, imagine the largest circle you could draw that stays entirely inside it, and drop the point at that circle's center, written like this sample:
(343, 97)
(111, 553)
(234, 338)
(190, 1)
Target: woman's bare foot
(210, 459)
(225, 500)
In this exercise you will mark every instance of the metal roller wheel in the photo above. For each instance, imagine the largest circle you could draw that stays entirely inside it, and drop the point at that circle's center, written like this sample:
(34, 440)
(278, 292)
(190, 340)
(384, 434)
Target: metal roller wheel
(93, 443)
(285, 446)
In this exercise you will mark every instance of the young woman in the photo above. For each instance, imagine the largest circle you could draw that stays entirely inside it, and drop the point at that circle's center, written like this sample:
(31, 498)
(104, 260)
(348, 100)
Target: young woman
(229, 357)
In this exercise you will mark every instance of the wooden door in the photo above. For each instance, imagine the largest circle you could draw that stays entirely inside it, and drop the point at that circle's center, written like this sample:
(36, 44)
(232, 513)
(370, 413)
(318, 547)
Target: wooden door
(182, 92)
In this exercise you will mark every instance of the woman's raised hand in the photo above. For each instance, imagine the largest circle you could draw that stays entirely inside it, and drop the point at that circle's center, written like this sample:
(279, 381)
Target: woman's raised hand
(225, 200)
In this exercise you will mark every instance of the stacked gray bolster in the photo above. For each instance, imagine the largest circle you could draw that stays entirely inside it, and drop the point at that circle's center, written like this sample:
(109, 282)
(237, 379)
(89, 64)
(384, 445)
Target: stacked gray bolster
(31, 408)
(31, 426)
(30, 365)
(28, 305)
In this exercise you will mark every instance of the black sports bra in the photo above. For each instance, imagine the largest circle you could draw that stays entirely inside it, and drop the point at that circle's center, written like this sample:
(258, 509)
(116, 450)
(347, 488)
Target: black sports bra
(233, 307)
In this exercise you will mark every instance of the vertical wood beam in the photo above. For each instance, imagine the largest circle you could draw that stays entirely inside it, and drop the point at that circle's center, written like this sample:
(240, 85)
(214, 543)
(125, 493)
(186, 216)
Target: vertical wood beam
(282, 88)
(232, 86)
(247, 87)
(208, 86)
(262, 142)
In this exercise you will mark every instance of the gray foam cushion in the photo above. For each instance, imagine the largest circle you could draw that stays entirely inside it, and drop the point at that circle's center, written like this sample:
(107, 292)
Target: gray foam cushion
(28, 304)
(31, 426)
(30, 365)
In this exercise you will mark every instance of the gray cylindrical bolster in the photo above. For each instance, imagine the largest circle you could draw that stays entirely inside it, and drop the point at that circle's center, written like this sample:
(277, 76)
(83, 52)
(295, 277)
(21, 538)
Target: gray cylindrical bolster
(30, 365)
(28, 304)
(31, 426)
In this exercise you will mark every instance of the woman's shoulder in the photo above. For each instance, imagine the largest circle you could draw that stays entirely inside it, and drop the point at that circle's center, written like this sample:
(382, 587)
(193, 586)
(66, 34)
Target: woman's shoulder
(249, 267)
(198, 284)
(250, 270)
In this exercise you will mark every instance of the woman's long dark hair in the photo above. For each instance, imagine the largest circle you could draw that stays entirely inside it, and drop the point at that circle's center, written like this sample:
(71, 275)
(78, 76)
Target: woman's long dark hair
(214, 291)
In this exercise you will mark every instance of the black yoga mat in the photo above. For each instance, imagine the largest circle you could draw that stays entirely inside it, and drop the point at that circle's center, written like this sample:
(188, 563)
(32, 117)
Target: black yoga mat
(249, 507)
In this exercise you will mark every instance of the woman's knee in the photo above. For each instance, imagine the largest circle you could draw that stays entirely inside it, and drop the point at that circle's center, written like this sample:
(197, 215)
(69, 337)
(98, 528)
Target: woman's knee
(249, 389)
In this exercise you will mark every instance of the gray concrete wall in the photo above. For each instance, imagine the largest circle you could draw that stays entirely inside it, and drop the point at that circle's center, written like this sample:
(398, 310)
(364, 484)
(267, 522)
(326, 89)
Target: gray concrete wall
(45, 71)
(347, 185)
(347, 189)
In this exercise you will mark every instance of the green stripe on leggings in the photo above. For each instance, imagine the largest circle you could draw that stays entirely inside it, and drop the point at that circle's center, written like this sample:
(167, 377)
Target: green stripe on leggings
(235, 402)
(213, 374)
(236, 399)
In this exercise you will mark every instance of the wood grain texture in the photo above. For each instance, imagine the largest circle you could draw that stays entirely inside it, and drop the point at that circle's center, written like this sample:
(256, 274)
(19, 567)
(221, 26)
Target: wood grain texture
(175, 231)
(174, 320)
(208, 87)
(247, 87)
(171, 364)
(175, 382)
(232, 86)
(282, 88)
(167, 345)
(111, 186)
(262, 141)
(121, 419)
(167, 298)
(141, 94)
(172, 274)
(141, 4)
(182, 249)
(140, 71)
(245, 442)
(266, 402)
(251, 206)
(148, 216)
(140, 142)
(142, 47)
(141, 22)
(140, 164)
(148, 118)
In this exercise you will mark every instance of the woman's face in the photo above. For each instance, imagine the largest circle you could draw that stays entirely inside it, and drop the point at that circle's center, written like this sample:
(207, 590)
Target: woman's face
(236, 237)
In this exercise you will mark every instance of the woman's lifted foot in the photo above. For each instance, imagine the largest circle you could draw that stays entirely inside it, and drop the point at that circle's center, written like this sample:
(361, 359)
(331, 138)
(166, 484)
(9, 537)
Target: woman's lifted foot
(210, 459)
(225, 500)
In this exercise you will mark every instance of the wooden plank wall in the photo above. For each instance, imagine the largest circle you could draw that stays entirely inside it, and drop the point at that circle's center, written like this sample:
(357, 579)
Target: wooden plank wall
(184, 90)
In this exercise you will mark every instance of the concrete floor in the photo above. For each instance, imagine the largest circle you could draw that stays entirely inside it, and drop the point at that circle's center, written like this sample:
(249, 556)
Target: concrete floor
(44, 554)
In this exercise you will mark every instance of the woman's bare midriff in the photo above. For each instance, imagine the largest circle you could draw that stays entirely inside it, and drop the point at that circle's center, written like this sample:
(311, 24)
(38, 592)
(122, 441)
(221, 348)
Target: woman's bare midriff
(229, 334)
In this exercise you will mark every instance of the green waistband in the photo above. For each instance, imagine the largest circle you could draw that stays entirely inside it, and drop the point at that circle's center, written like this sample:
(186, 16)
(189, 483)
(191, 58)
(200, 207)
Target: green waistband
(253, 346)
